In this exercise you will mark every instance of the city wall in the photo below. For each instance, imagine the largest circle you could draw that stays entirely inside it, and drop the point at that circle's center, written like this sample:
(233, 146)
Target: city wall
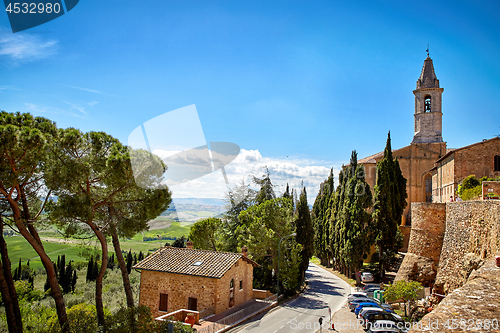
(448, 241)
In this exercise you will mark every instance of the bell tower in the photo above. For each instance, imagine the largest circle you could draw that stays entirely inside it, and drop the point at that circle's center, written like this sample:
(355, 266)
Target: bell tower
(428, 114)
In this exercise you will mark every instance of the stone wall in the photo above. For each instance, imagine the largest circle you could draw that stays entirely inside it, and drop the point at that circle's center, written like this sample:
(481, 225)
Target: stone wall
(426, 238)
(212, 294)
(491, 190)
(450, 240)
(471, 236)
(477, 303)
(427, 230)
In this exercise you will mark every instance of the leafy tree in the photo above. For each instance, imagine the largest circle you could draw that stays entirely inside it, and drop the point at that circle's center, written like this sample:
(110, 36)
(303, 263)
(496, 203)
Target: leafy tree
(238, 199)
(305, 233)
(389, 204)
(407, 291)
(180, 242)
(205, 233)
(95, 186)
(25, 156)
(262, 227)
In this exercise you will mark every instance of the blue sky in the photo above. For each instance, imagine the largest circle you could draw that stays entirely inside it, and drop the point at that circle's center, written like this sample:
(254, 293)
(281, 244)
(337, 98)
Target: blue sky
(298, 83)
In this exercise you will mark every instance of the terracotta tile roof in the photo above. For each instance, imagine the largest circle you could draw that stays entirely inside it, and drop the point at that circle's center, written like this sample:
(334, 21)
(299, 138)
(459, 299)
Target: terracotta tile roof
(371, 159)
(180, 261)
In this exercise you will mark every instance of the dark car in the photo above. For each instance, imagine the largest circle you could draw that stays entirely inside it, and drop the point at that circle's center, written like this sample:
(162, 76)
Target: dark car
(372, 316)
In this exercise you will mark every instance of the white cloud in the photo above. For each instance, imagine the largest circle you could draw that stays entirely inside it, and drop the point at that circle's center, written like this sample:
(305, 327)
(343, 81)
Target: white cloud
(26, 47)
(94, 91)
(76, 107)
(251, 163)
(36, 108)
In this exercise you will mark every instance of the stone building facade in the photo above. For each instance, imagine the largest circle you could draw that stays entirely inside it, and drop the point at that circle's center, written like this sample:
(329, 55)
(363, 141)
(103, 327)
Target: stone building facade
(417, 159)
(433, 171)
(477, 159)
(209, 282)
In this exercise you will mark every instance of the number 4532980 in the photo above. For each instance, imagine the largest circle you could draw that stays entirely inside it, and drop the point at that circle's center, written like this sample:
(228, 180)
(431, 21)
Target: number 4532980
(33, 8)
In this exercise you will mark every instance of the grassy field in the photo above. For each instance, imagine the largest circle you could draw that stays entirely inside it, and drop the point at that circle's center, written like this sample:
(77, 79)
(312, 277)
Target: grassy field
(75, 250)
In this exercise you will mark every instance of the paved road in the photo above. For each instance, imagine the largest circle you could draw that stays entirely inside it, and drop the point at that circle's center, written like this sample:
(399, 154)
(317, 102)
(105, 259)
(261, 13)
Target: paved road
(302, 314)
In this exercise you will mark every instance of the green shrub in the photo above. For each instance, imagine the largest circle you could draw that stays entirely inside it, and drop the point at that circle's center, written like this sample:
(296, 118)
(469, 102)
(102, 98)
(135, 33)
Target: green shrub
(472, 193)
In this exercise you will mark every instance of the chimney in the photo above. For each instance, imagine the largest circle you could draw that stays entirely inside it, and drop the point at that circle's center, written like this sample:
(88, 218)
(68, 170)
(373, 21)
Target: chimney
(189, 244)
(244, 251)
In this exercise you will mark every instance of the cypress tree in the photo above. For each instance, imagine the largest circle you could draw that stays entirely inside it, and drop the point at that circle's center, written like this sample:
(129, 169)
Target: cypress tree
(46, 286)
(17, 273)
(90, 267)
(68, 275)
(305, 232)
(389, 204)
(95, 270)
(73, 281)
(62, 273)
(287, 194)
(141, 256)
(129, 261)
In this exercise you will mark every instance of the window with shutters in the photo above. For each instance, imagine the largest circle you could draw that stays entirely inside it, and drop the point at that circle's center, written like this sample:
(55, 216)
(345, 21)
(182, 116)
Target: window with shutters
(496, 161)
(163, 302)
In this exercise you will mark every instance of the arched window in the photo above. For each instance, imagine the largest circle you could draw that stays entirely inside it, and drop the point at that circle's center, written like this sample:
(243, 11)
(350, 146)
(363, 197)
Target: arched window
(427, 103)
(496, 163)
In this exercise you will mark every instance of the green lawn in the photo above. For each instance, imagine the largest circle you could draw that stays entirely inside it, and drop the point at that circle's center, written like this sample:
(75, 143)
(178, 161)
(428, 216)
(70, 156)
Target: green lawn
(18, 247)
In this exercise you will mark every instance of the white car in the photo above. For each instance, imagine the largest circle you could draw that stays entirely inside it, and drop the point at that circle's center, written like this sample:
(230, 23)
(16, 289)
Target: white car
(366, 309)
(366, 277)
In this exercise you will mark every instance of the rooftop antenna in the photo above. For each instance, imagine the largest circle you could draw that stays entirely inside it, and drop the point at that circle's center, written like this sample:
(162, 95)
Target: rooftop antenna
(427, 50)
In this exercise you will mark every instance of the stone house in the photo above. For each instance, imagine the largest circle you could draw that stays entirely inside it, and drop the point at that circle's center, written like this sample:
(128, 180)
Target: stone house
(209, 282)
(481, 159)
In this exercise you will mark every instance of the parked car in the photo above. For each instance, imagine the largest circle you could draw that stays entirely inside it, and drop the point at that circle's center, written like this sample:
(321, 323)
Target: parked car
(368, 308)
(355, 302)
(371, 285)
(366, 277)
(372, 316)
(365, 305)
(356, 294)
(380, 324)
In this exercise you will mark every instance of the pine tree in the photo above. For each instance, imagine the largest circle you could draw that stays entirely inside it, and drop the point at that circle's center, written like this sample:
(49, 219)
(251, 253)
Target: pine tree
(389, 204)
(305, 232)
(266, 191)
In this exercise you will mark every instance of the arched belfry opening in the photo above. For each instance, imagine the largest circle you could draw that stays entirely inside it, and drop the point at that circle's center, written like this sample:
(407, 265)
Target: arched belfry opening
(427, 104)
